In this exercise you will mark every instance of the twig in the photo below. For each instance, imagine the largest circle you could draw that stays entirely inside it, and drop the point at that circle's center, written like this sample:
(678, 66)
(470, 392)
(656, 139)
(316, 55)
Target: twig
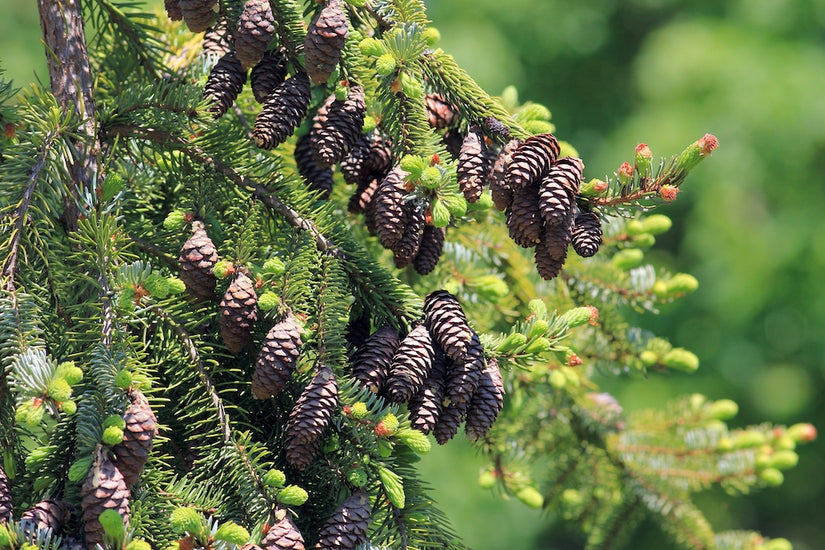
(156, 251)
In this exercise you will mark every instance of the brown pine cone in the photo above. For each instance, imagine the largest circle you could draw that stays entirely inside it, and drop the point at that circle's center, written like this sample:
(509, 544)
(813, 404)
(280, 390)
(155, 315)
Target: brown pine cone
(284, 534)
(486, 403)
(132, 453)
(197, 259)
(347, 527)
(283, 111)
(254, 32)
(449, 421)
(277, 359)
(557, 194)
(500, 189)
(46, 514)
(463, 376)
(448, 325)
(371, 364)
(388, 204)
(5, 497)
(369, 158)
(587, 234)
(268, 74)
(324, 42)
(319, 178)
(532, 160)
(361, 199)
(473, 166)
(495, 126)
(337, 126)
(410, 365)
(173, 9)
(309, 420)
(524, 217)
(452, 140)
(224, 84)
(358, 330)
(104, 489)
(407, 246)
(426, 405)
(429, 251)
(440, 112)
(216, 39)
(198, 14)
(551, 251)
(239, 311)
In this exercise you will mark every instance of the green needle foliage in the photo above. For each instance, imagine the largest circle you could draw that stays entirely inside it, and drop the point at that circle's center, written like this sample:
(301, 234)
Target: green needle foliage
(125, 391)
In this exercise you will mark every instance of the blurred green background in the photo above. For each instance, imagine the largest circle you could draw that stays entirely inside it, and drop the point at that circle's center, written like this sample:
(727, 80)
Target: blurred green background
(748, 223)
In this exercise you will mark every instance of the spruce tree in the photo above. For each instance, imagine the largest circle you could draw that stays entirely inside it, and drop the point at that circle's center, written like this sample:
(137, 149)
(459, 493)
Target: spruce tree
(157, 233)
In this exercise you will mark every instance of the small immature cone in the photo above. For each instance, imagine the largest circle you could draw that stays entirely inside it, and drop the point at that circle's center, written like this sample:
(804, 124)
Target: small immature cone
(524, 217)
(284, 534)
(103, 489)
(388, 202)
(440, 112)
(5, 497)
(426, 405)
(587, 234)
(309, 420)
(239, 311)
(445, 318)
(371, 364)
(337, 126)
(410, 365)
(472, 167)
(254, 32)
(132, 453)
(224, 84)
(486, 403)
(429, 251)
(347, 527)
(500, 189)
(283, 111)
(268, 74)
(46, 514)
(324, 42)
(696, 152)
(277, 359)
(319, 178)
(532, 160)
(198, 14)
(197, 259)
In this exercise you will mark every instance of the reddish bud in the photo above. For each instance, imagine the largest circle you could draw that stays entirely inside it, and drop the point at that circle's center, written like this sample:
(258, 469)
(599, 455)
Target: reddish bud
(189, 217)
(381, 430)
(9, 130)
(574, 360)
(668, 192)
(643, 151)
(36, 402)
(265, 529)
(347, 410)
(395, 85)
(259, 282)
(625, 170)
(435, 159)
(594, 315)
(707, 143)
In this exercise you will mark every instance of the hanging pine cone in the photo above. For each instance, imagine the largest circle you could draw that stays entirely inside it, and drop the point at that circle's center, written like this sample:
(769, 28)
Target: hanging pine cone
(337, 126)
(309, 419)
(495, 126)
(358, 330)
(277, 359)
(452, 415)
(369, 158)
(198, 14)
(551, 251)
(429, 251)
(224, 84)
(284, 534)
(268, 74)
(407, 246)
(216, 39)
(239, 311)
(524, 217)
(132, 453)
(453, 139)
(347, 527)
(500, 190)
(587, 234)
(557, 194)
(104, 489)
(388, 202)
(283, 111)
(173, 9)
(425, 406)
(324, 42)
(254, 32)
(5, 497)
(371, 364)
(410, 365)
(46, 514)
(532, 160)
(197, 259)
(440, 112)
(448, 325)
(473, 166)
(486, 403)
(362, 198)
(319, 178)
(463, 376)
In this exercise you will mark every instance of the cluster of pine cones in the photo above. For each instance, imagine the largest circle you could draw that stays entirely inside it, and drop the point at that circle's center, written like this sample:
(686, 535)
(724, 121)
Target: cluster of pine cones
(438, 369)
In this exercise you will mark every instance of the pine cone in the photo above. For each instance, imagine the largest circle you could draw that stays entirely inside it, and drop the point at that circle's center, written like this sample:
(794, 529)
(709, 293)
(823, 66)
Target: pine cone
(239, 311)
(495, 126)
(410, 365)
(224, 84)
(173, 9)
(452, 415)
(197, 258)
(216, 39)
(587, 234)
(473, 166)
(337, 126)
(46, 514)
(277, 359)
(500, 189)
(486, 403)
(198, 14)
(358, 330)
(524, 217)
(429, 251)
(283, 111)
(319, 178)
(5, 497)
(371, 364)
(347, 527)
(453, 139)
(440, 112)
(284, 534)
(388, 202)
(369, 158)
(532, 160)
(362, 198)
(425, 406)
(407, 246)
(448, 325)
(104, 489)
(268, 74)
(309, 420)
(557, 194)
(254, 32)
(132, 453)
(325, 39)
(551, 251)
(463, 376)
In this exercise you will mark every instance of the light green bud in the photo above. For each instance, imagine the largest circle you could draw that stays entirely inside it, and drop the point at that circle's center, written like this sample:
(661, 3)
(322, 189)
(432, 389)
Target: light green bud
(187, 520)
(233, 533)
(70, 372)
(441, 214)
(393, 486)
(415, 440)
(292, 495)
(657, 224)
(112, 435)
(489, 287)
(59, 389)
(772, 477)
(537, 307)
(487, 479)
(430, 177)
(274, 478)
(175, 285)
(513, 341)
(784, 460)
(681, 359)
(531, 497)
(628, 258)
(723, 409)
(386, 64)
(268, 301)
